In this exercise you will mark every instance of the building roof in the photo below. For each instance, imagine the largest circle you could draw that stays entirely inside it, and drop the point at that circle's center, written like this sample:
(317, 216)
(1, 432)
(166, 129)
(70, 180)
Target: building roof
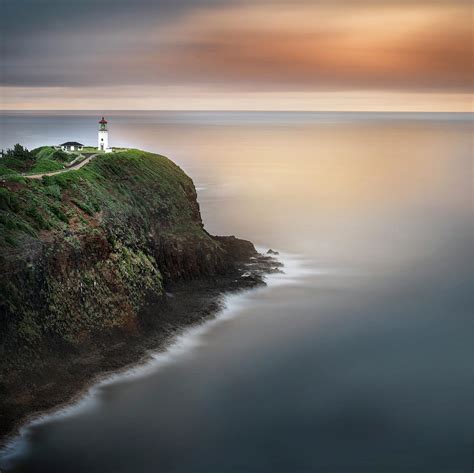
(103, 121)
(71, 143)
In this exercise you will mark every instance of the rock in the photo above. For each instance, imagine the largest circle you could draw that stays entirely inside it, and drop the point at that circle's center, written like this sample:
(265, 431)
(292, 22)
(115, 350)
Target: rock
(251, 280)
(272, 252)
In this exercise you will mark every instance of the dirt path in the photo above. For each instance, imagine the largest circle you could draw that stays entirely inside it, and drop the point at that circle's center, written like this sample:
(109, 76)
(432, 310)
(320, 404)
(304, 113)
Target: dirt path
(53, 173)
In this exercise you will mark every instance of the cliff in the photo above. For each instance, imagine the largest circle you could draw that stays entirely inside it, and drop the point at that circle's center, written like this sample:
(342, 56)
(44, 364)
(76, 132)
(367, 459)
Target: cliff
(84, 253)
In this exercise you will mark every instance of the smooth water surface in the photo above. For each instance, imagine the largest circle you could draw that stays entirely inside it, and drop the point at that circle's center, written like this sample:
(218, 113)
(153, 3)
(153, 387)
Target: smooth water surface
(359, 359)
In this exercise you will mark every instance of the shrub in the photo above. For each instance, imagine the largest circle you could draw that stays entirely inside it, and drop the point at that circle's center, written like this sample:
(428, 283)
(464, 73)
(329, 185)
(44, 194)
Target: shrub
(8, 200)
(83, 206)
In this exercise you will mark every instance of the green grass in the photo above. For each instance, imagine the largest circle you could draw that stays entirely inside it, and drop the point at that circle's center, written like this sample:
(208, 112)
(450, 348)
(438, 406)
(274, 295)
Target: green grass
(44, 159)
(43, 152)
(93, 149)
(49, 152)
(128, 185)
(16, 165)
(4, 171)
(46, 165)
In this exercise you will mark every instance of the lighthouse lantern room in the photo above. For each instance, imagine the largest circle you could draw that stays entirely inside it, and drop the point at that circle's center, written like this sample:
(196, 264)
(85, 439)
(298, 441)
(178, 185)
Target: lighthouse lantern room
(103, 138)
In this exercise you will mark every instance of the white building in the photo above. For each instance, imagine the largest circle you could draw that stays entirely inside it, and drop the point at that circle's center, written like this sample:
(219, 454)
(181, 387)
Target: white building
(71, 146)
(103, 138)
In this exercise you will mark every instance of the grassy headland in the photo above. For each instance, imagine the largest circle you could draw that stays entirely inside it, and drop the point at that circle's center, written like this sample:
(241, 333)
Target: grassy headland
(83, 254)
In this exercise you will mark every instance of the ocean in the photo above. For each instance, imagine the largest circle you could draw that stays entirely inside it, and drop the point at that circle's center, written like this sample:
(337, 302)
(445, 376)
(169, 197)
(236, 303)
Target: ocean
(358, 359)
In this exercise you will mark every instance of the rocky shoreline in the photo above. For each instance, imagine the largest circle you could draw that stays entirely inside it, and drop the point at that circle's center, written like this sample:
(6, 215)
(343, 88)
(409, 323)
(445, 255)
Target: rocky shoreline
(100, 265)
(60, 377)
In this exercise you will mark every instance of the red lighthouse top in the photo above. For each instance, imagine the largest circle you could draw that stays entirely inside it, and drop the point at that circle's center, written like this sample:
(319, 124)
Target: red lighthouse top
(103, 121)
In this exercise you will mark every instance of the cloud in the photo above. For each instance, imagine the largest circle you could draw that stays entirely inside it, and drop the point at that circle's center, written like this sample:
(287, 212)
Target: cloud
(394, 48)
(239, 44)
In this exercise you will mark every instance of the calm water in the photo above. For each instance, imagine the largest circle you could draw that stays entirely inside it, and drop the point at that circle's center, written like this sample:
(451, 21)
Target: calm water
(359, 359)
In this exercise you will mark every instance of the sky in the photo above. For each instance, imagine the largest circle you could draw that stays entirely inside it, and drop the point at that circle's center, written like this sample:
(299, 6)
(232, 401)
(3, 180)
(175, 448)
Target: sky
(236, 54)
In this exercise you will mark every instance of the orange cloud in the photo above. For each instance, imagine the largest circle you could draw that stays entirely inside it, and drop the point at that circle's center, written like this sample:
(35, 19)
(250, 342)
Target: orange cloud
(390, 47)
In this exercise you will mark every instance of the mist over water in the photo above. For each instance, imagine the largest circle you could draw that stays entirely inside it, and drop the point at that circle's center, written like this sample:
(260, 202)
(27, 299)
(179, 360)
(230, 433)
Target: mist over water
(358, 360)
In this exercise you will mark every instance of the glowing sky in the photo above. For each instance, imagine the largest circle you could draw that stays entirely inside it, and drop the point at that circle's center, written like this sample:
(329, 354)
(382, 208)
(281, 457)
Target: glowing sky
(236, 54)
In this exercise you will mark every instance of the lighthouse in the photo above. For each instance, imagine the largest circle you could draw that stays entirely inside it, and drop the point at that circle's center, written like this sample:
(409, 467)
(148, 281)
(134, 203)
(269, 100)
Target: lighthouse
(103, 138)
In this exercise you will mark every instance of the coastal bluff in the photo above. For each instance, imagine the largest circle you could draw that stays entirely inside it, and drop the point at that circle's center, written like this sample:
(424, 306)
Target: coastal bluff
(93, 257)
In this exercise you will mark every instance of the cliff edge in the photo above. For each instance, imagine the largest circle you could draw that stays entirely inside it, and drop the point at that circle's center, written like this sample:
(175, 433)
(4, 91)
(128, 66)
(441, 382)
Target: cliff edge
(85, 254)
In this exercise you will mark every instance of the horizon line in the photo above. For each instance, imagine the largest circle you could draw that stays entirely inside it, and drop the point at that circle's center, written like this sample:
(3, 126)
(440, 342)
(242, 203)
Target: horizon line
(231, 110)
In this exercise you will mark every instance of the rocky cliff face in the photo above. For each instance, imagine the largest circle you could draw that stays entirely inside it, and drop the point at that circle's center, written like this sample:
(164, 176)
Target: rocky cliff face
(83, 252)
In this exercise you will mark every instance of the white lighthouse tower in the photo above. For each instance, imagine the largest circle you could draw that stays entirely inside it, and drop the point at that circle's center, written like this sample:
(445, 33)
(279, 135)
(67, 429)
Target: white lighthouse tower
(103, 138)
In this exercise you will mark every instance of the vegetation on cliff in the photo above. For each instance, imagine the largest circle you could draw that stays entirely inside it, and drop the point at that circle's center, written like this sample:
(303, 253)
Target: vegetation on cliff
(20, 160)
(83, 251)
